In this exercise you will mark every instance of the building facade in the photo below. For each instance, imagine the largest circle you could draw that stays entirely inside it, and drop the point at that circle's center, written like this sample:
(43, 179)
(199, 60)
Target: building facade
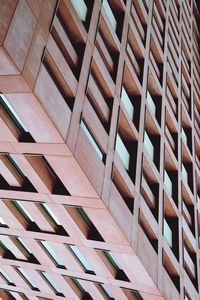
(99, 149)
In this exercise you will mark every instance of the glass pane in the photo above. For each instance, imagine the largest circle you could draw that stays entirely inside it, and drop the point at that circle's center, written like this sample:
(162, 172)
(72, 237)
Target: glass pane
(90, 137)
(51, 282)
(2, 222)
(110, 14)
(151, 103)
(168, 233)
(10, 245)
(168, 182)
(24, 245)
(184, 173)
(122, 152)
(112, 260)
(52, 253)
(198, 202)
(81, 9)
(80, 258)
(127, 103)
(22, 210)
(184, 136)
(78, 283)
(106, 290)
(12, 113)
(50, 212)
(7, 278)
(28, 278)
(84, 216)
(148, 145)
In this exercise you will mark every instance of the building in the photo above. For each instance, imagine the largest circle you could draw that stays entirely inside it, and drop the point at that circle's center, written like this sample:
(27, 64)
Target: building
(99, 149)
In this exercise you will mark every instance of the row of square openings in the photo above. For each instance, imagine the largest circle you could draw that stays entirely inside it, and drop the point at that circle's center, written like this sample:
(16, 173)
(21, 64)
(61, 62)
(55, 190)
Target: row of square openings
(12, 176)
(16, 248)
(78, 285)
(47, 220)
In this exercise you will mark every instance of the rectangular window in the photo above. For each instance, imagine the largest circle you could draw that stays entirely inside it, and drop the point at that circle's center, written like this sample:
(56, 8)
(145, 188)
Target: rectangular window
(52, 284)
(28, 279)
(2, 223)
(167, 233)
(79, 285)
(80, 8)
(151, 103)
(52, 254)
(198, 202)
(168, 182)
(13, 115)
(110, 14)
(14, 178)
(19, 206)
(6, 278)
(13, 121)
(81, 259)
(127, 103)
(184, 173)
(122, 152)
(10, 248)
(92, 140)
(50, 213)
(19, 240)
(106, 291)
(112, 260)
(184, 136)
(148, 145)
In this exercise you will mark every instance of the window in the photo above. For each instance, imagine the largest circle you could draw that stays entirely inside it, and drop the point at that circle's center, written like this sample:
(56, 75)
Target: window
(132, 294)
(28, 279)
(106, 291)
(52, 284)
(46, 173)
(6, 278)
(50, 213)
(184, 136)
(151, 103)
(184, 173)
(19, 240)
(13, 177)
(198, 202)
(84, 216)
(52, 254)
(80, 8)
(111, 259)
(92, 140)
(53, 219)
(84, 223)
(118, 272)
(168, 182)
(3, 223)
(16, 119)
(122, 152)
(148, 145)
(127, 103)
(78, 283)
(13, 121)
(19, 206)
(110, 14)
(9, 249)
(81, 259)
(167, 233)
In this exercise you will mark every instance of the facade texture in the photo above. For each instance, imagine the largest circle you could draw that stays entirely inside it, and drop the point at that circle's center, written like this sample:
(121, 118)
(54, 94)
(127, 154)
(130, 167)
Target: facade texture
(99, 149)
